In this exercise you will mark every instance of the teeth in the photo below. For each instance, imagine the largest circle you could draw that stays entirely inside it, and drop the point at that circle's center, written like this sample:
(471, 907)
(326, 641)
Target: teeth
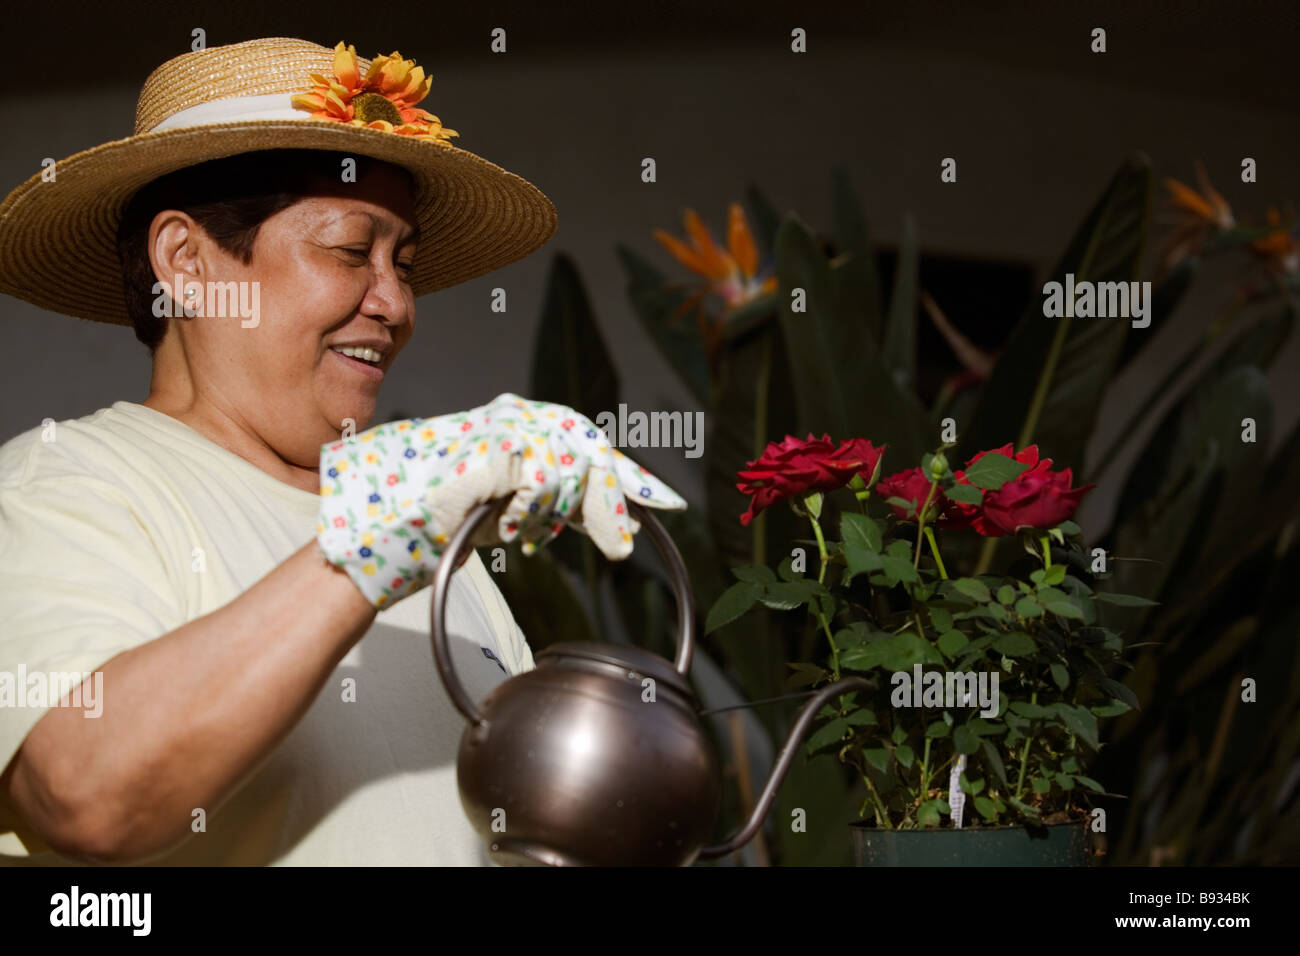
(365, 354)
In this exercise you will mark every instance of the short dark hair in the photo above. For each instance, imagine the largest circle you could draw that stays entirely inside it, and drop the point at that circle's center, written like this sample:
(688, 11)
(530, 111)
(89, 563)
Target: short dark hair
(230, 198)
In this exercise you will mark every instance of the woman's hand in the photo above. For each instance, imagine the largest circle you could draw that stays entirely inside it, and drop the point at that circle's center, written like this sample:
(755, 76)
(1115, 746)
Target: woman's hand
(392, 496)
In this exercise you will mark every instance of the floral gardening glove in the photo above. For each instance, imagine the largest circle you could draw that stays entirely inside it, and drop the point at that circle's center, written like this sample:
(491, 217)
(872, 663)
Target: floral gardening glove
(393, 495)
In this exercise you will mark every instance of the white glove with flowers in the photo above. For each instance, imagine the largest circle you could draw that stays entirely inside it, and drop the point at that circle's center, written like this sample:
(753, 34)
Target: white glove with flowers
(393, 495)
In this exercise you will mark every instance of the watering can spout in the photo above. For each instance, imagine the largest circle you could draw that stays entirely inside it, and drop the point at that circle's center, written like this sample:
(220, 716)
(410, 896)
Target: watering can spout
(797, 734)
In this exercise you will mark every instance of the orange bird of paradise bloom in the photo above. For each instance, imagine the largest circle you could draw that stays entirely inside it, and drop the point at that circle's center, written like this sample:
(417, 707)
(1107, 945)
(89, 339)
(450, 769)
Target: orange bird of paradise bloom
(383, 99)
(732, 272)
(1200, 213)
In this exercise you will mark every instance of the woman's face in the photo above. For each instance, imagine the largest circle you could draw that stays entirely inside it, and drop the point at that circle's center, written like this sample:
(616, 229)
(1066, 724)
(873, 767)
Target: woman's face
(330, 271)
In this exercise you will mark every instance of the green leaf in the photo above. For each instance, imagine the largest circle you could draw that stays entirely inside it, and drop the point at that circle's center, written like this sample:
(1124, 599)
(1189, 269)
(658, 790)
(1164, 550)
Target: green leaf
(861, 560)
(1106, 248)
(806, 674)
(985, 728)
(1028, 607)
(1054, 575)
(1065, 608)
(1030, 811)
(1015, 644)
(950, 642)
(654, 300)
(1113, 709)
(878, 757)
(899, 351)
(972, 587)
(940, 619)
(733, 602)
(827, 735)
(1125, 600)
(965, 494)
(1006, 594)
(965, 740)
(1065, 781)
(785, 570)
(1025, 709)
(862, 718)
(758, 573)
(928, 813)
(1041, 784)
(571, 364)
(861, 530)
(898, 569)
(1070, 763)
(857, 280)
(969, 786)
(898, 652)
(1091, 784)
(841, 383)
(994, 760)
(1060, 675)
(986, 809)
(784, 595)
(1080, 721)
(898, 734)
(1120, 691)
(905, 755)
(994, 470)
(937, 729)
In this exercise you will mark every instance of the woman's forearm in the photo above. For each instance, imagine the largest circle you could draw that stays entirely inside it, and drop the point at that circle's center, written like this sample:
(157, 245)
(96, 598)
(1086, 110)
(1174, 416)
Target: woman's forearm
(186, 717)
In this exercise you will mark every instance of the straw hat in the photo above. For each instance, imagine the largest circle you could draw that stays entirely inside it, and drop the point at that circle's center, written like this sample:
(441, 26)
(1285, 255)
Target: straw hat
(58, 234)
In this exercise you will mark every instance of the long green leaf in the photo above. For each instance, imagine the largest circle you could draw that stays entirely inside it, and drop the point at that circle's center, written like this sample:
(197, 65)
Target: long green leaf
(857, 278)
(676, 336)
(841, 386)
(1060, 402)
(571, 363)
(899, 352)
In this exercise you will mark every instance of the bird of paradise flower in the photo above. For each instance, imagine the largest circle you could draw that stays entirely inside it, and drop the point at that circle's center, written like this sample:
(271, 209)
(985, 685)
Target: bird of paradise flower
(732, 273)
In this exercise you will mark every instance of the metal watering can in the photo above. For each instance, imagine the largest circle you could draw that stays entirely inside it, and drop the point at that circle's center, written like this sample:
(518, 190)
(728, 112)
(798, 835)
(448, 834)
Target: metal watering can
(598, 756)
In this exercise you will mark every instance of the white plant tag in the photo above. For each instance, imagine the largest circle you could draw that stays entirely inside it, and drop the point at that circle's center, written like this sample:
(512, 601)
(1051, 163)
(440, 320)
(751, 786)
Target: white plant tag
(956, 798)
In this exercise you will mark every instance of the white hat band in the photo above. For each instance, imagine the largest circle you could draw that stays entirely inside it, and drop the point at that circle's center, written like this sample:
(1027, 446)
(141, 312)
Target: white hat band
(236, 109)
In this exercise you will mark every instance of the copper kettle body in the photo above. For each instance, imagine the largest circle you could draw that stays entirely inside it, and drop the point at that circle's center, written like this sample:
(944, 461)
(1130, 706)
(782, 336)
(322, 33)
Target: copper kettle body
(598, 756)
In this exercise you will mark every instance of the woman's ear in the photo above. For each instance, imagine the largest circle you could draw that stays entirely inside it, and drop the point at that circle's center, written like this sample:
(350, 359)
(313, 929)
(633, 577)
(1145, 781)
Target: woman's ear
(174, 247)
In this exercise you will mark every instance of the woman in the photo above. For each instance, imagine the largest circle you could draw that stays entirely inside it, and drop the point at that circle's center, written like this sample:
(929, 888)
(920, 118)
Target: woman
(213, 556)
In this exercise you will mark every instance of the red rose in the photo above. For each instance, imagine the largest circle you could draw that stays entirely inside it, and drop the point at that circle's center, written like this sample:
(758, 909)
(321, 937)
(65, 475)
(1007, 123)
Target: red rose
(795, 467)
(913, 484)
(1038, 498)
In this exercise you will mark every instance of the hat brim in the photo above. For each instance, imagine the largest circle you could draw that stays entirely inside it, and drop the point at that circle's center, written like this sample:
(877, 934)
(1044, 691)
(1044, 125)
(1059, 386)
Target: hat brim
(58, 238)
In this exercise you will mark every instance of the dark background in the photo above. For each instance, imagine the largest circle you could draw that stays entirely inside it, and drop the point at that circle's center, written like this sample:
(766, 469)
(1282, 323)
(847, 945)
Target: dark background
(585, 90)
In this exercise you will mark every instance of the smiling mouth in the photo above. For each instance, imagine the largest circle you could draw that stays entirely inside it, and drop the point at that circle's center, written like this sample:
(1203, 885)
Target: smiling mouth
(366, 360)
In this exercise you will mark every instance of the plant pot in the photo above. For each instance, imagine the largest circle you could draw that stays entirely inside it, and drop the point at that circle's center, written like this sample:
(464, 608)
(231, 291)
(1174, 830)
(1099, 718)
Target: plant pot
(1060, 844)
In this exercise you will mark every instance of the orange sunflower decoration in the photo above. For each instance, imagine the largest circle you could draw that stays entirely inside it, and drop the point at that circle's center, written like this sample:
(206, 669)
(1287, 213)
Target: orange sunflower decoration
(383, 99)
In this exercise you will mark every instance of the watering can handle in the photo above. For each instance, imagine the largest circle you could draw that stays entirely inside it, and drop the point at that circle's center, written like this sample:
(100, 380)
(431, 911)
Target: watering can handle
(451, 558)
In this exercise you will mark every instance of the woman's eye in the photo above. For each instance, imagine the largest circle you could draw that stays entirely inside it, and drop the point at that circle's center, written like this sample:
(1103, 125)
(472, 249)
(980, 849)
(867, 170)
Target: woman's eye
(406, 267)
(362, 255)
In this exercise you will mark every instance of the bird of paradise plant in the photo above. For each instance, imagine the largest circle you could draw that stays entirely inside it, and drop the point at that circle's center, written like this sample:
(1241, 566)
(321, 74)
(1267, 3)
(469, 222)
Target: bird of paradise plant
(731, 273)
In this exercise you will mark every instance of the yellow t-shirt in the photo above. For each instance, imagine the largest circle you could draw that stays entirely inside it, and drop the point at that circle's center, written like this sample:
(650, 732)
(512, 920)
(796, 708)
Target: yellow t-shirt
(121, 526)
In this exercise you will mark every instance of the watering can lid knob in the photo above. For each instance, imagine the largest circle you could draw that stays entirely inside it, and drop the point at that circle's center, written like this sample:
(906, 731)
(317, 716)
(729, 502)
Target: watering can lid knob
(628, 656)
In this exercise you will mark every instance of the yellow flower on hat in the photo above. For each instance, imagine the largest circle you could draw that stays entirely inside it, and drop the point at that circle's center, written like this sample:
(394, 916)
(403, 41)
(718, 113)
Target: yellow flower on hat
(383, 99)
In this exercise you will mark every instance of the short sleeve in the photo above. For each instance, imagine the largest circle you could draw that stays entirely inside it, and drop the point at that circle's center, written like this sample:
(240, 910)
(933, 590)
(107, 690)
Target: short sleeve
(81, 581)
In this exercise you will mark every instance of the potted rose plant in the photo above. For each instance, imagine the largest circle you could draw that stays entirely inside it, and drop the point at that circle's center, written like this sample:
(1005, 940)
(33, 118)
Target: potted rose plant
(973, 746)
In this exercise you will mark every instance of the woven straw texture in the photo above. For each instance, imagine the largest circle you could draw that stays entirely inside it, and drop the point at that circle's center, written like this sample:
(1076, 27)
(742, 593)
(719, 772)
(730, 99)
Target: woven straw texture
(58, 238)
